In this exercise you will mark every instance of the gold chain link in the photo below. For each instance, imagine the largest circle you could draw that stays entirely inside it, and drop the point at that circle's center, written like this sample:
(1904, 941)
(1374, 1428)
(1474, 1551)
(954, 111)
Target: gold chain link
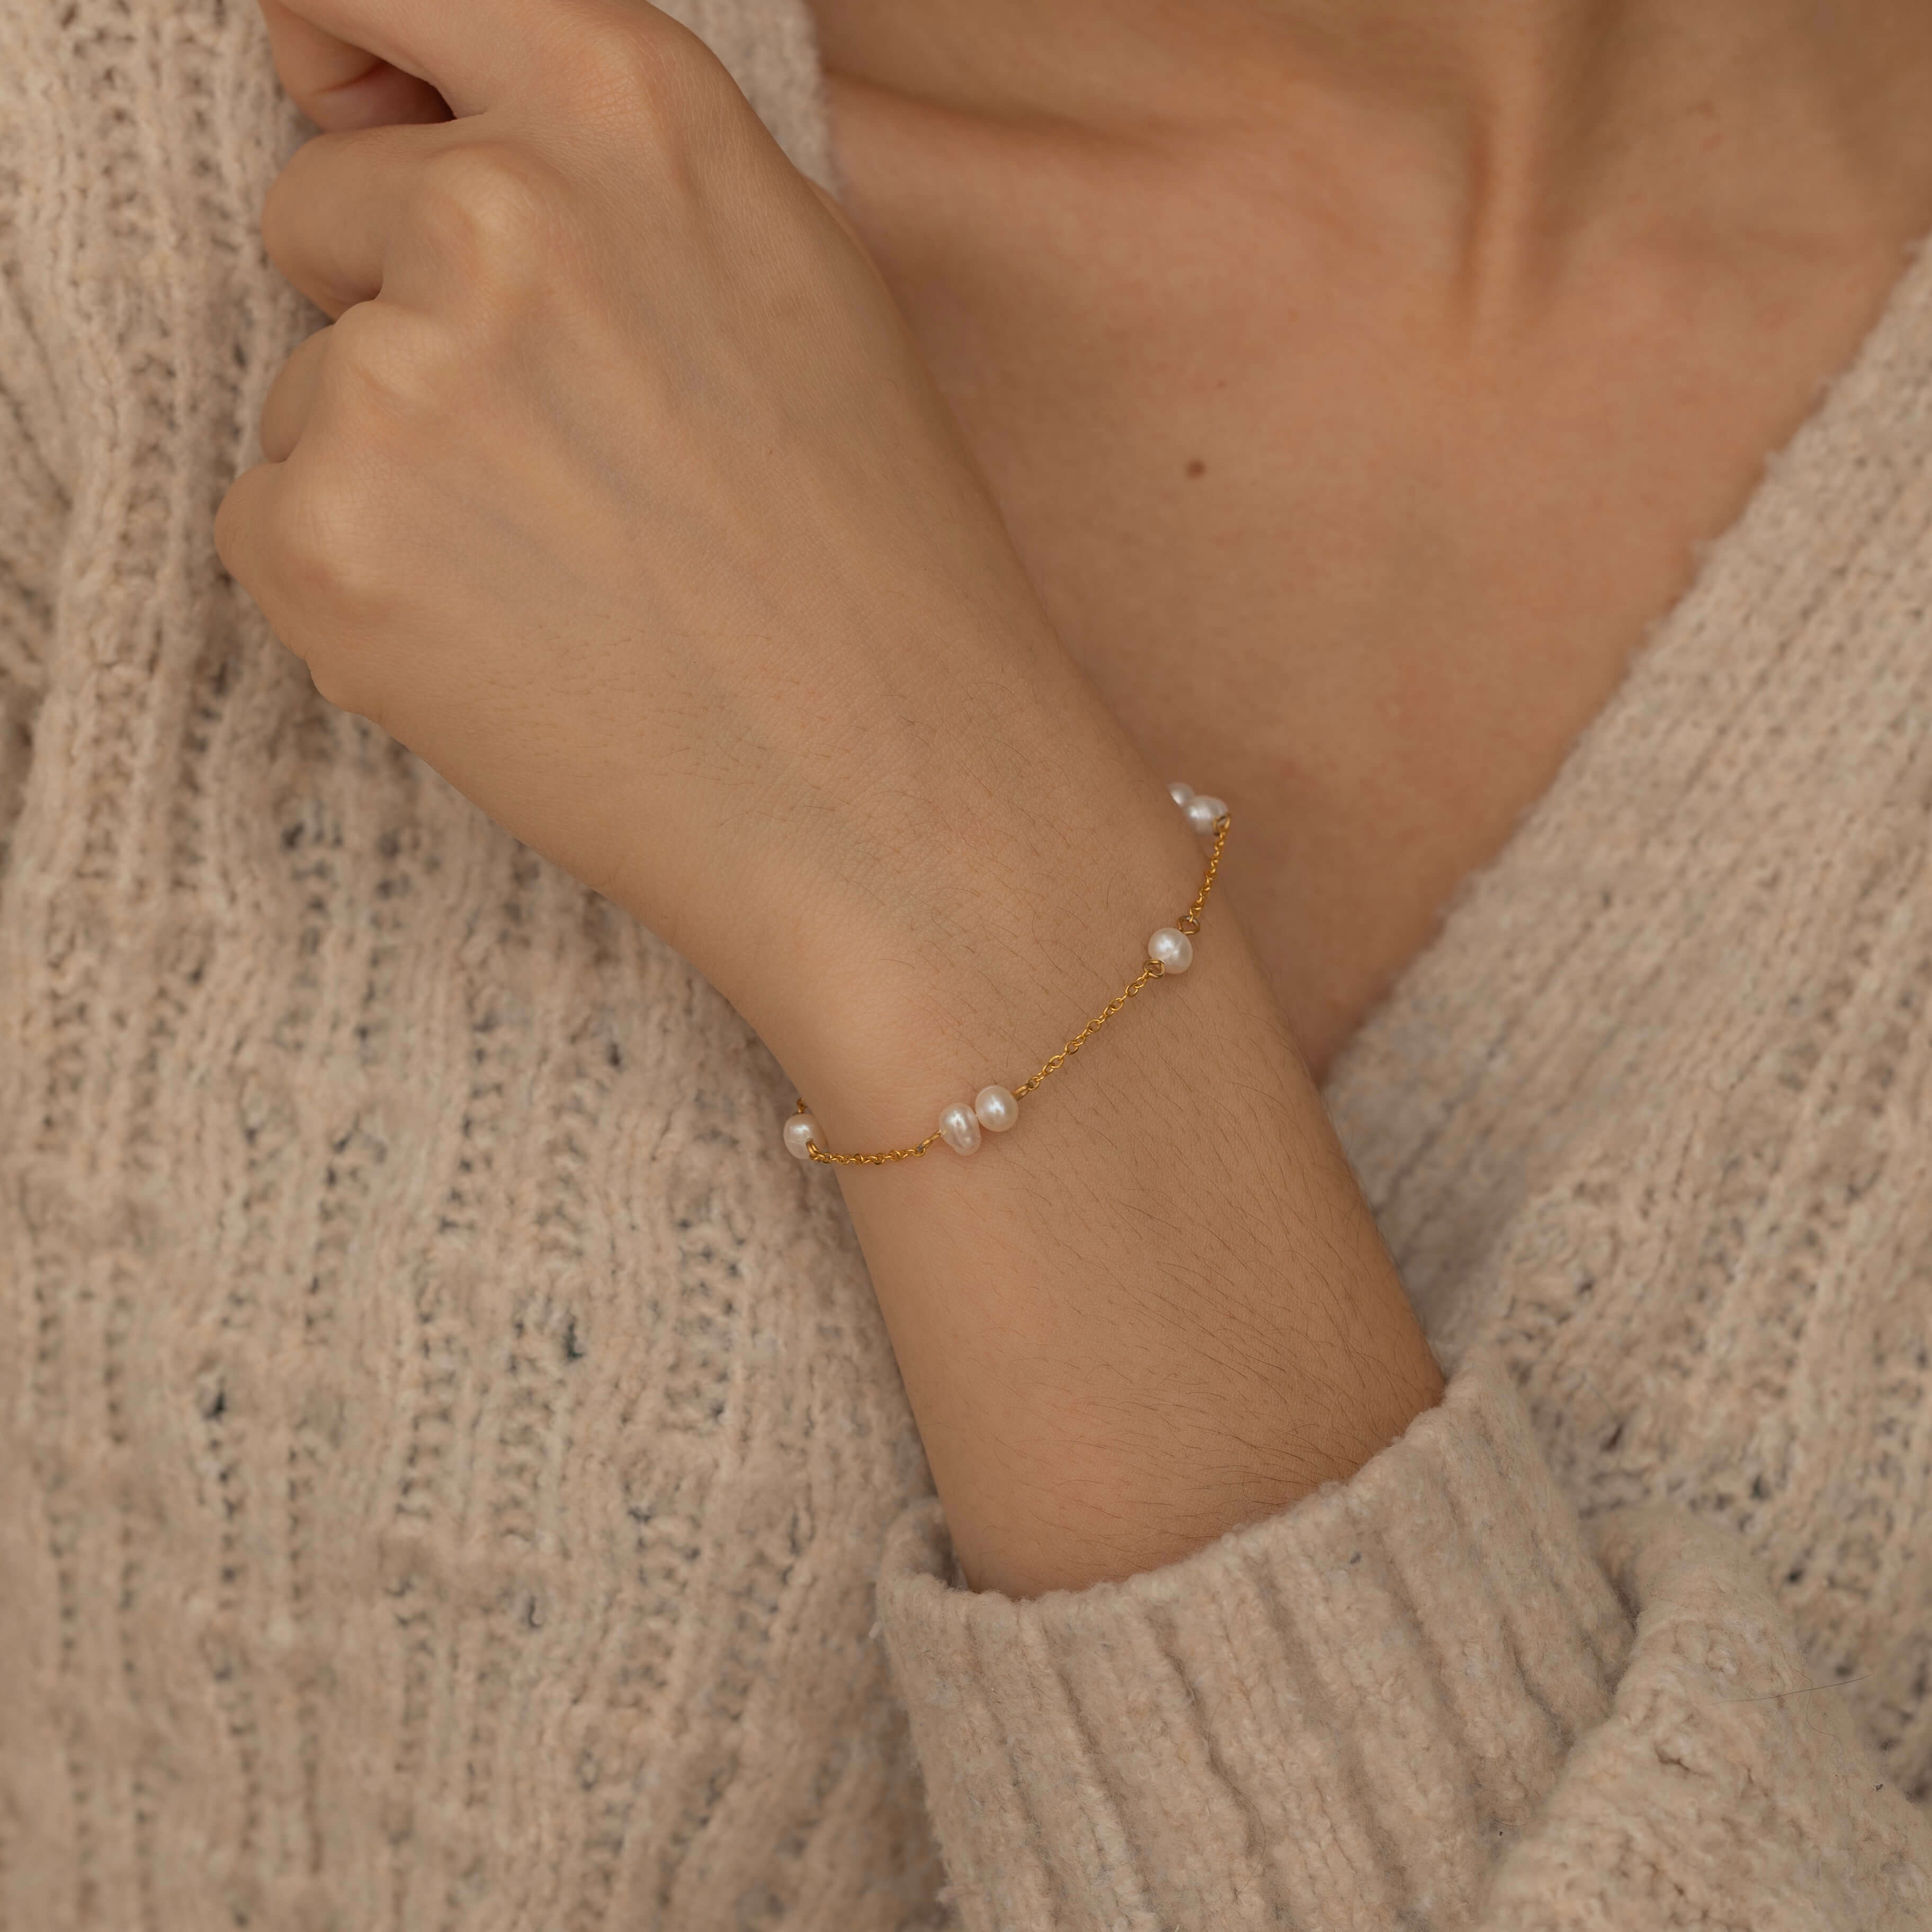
(1188, 922)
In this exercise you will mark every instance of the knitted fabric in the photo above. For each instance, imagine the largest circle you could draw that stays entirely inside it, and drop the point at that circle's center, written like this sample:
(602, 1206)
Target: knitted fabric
(457, 1473)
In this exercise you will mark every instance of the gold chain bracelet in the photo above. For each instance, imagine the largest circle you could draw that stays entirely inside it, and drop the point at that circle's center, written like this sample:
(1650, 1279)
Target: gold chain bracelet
(996, 1108)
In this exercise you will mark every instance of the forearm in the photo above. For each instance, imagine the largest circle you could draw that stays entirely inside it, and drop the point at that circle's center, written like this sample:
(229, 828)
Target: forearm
(618, 492)
(1158, 1308)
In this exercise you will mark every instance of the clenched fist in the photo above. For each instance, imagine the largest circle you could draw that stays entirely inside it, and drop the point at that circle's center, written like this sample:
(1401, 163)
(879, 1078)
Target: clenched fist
(617, 491)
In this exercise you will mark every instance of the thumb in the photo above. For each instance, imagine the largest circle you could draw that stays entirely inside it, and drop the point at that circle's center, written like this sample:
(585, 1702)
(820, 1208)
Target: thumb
(339, 86)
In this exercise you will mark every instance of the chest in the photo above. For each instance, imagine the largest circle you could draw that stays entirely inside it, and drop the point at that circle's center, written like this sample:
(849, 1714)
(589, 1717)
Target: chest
(1353, 543)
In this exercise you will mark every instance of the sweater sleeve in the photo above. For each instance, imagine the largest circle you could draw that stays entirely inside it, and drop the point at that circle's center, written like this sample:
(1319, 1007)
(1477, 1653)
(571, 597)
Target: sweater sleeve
(1421, 1698)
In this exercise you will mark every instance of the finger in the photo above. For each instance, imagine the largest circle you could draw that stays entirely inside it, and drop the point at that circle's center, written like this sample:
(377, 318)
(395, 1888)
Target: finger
(241, 524)
(291, 398)
(327, 217)
(338, 85)
(482, 53)
(252, 539)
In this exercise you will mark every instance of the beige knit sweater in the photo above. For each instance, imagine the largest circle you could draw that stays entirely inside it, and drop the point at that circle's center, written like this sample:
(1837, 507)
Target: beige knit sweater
(455, 1475)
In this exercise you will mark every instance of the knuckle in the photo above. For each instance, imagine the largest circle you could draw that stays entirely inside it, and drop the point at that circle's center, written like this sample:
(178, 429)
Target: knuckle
(358, 338)
(650, 76)
(492, 204)
(329, 556)
(379, 367)
(621, 52)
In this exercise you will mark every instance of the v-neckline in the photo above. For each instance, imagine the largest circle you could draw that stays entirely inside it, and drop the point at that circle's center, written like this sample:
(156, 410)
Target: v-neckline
(1577, 886)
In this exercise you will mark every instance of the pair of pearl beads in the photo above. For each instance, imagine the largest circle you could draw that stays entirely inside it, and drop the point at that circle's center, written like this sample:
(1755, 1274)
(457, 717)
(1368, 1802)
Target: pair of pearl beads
(993, 1108)
(1200, 811)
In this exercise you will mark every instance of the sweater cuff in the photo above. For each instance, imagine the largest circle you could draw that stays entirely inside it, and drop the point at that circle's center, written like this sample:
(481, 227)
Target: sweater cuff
(1340, 1716)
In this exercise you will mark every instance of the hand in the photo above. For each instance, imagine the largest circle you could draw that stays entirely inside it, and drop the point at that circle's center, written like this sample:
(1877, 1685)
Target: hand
(618, 492)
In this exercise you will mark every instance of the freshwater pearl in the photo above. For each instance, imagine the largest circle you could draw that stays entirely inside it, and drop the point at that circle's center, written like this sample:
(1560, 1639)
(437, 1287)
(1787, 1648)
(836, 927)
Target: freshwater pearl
(1202, 811)
(959, 1128)
(996, 1109)
(1171, 948)
(1181, 793)
(799, 1130)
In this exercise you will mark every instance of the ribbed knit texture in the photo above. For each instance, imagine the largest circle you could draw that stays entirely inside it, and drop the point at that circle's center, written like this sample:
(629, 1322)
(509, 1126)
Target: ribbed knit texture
(1336, 1771)
(451, 1448)
(448, 1445)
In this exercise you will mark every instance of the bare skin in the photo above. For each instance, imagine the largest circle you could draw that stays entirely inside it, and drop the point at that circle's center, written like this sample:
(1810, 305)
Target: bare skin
(1337, 393)
(1358, 379)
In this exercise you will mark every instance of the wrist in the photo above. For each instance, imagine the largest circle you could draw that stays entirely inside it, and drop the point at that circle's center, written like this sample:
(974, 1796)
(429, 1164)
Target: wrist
(1170, 1312)
(1000, 942)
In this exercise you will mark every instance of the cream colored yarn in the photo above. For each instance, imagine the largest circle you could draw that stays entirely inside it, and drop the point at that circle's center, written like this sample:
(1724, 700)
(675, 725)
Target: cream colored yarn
(457, 1475)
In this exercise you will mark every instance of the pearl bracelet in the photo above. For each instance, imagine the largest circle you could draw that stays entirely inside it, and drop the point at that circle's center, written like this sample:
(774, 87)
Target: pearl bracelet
(996, 1108)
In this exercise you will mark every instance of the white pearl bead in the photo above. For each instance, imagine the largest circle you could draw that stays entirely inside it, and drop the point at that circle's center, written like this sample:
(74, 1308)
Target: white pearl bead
(995, 1108)
(959, 1128)
(1172, 949)
(1202, 812)
(1181, 793)
(800, 1129)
